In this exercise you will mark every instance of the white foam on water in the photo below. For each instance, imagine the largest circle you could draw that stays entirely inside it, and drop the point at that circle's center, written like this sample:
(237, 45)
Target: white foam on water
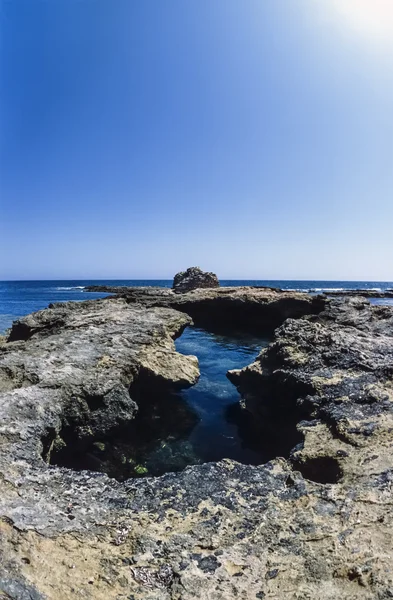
(70, 289)
(329, 290)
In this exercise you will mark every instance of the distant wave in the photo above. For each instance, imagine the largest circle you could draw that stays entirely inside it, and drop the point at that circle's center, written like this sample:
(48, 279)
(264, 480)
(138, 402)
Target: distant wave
(304, 290)
(318, 290)
(315, 290)
(326, 289)
(68, 289)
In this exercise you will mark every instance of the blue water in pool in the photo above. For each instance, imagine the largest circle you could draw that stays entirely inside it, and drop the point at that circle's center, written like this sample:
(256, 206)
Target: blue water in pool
(19, 298)
(203, 423)
(216, 435)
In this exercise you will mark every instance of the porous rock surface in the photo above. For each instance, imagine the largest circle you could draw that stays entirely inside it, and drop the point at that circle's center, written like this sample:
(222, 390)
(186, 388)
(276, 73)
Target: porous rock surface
(194, 278)
(362, 293)
(253, 308)
(214, 531)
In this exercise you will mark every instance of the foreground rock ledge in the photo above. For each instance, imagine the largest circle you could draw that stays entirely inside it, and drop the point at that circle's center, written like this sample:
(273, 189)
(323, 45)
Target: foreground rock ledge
(213, 531)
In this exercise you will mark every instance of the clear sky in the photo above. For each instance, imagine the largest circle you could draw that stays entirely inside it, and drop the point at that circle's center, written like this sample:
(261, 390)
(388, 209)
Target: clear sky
(251, 137)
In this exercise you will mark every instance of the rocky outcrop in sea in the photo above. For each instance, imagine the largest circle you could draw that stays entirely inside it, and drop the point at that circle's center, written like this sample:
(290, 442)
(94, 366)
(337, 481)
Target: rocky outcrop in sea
(317, 524)
(194, 278)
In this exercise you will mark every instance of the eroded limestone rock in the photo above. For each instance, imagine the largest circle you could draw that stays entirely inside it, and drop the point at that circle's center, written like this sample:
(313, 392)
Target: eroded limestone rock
(194, 278)
(257, 309)
(80, 359)
(213, 531)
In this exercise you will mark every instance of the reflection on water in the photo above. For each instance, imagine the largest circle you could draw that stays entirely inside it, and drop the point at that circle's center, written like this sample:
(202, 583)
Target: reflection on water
(216, 435)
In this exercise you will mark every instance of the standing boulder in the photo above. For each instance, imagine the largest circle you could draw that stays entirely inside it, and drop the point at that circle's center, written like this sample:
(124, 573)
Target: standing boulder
(194, 278)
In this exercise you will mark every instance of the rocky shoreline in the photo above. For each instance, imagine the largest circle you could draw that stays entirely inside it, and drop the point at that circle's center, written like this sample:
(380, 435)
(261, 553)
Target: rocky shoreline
(363, 293)
(315, 525)
(257, 309)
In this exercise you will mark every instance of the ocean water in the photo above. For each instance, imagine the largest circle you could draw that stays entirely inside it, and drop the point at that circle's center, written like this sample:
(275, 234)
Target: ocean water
(19, 298)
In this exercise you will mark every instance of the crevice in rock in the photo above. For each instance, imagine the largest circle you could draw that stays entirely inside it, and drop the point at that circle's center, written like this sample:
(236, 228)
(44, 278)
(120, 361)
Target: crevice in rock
(173, 429)
(95, 402)
(226, 315)
(272, 433)
(120, 451)
(87, 417)
(322, 469)
(47, 441)
(168, 429)
(21, 331)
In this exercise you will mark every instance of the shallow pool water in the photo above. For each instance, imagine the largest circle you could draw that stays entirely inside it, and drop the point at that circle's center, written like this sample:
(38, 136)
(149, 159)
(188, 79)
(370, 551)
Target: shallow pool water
(214, 398)
(204, 423)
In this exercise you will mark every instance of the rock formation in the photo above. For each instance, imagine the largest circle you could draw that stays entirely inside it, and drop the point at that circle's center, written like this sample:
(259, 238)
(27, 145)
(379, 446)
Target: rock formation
(316, 526)
(362, 293)
(253, 308)
(194, 278)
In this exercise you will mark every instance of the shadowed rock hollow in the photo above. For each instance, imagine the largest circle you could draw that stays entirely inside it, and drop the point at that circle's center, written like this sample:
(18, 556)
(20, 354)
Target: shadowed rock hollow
(258, 310)
(316, 526)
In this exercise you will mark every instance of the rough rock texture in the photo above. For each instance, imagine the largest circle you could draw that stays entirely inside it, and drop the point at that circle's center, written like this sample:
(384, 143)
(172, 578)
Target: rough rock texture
(253, 308)
(362, 293)
(214, 531)
(75, 363)
(194, 278)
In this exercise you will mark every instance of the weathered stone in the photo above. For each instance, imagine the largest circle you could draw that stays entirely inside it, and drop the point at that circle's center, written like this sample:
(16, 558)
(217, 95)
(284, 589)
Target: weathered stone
(214, 531)
(80, 359)
(362, 293)
(254, 308)
(194, 278)
(336, 370)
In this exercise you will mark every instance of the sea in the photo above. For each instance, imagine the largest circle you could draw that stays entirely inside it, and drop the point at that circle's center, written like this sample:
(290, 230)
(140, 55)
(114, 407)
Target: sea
(19, 298)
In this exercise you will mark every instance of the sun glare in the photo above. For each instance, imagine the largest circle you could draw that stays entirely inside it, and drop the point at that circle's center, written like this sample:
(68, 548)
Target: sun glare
(370, 17)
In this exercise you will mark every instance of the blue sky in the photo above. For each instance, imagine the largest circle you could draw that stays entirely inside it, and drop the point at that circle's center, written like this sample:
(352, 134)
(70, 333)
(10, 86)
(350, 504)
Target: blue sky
(252, 138)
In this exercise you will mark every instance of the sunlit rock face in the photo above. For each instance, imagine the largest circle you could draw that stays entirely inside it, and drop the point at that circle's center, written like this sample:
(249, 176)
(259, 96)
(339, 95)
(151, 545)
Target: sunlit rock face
(226, 309)
(193, 279)
(316, 525)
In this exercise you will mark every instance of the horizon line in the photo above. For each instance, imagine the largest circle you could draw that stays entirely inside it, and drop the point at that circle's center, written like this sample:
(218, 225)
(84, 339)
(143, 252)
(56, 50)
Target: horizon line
(171, 279)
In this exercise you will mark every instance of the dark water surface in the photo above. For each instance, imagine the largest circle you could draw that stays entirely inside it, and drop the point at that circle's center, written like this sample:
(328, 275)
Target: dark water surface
(214, 398)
